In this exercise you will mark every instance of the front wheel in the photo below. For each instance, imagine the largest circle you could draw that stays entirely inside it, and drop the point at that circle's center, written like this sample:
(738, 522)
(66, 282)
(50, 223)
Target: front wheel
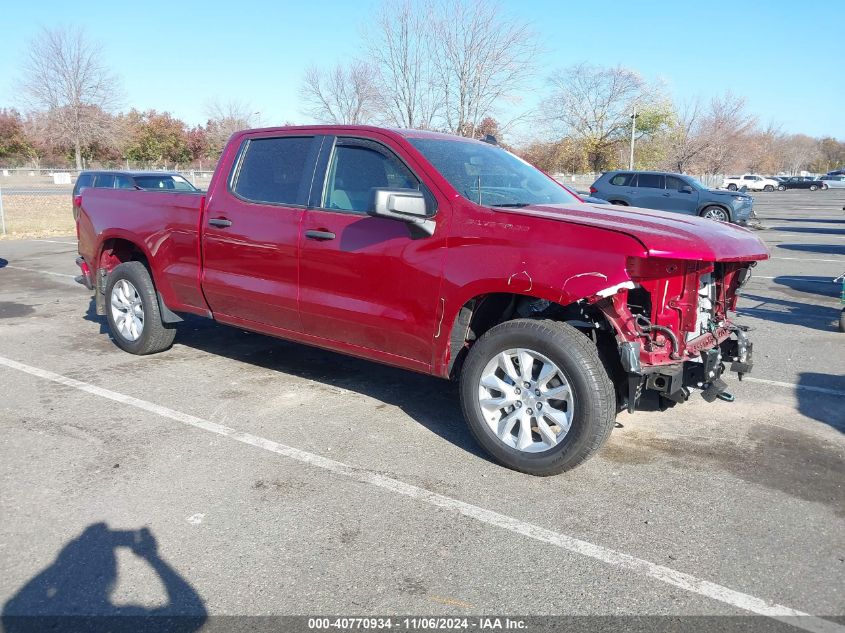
(781, 187)
(715, 213)
(731, 187)
(133, 313)
(537, 397)
(813, 187)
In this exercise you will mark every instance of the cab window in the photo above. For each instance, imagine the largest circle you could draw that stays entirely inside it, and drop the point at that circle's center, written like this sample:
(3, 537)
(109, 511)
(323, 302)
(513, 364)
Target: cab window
(271, 170)
(356, 168)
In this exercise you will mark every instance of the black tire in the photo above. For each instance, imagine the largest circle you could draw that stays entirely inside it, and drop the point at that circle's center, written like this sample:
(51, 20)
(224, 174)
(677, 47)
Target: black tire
(155, 336)
(731, 187)
(768, 188)
(781, 187)
(593, 391)
(813, 187)
(715, 210)
(824, 187)
(620, 203)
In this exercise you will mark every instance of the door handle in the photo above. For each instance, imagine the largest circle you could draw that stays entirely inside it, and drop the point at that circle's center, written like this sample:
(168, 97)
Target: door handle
(320, 235)
(221, 222)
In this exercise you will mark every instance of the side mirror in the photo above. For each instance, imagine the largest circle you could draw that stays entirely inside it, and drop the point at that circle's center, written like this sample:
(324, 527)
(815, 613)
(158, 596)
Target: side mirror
(685, 189)
(405, 205)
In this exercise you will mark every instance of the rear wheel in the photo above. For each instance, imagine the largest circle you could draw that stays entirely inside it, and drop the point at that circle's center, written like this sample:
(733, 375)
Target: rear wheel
(537, 397)
(781, 187)
(133, 312)
(731, 187)
(813, 187)
(769, 188)
(715, 213)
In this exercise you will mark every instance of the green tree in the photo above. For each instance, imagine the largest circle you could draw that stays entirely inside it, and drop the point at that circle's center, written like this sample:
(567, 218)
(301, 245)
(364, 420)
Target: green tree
(156, 138)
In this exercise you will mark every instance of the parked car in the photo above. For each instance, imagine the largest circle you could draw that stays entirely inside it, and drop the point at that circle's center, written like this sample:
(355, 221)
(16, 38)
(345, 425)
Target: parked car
(837, 172)
(833, 182)
(672, 192)
(801, 182)
(752, 182)
(439, 254)
(584, 197)
(143, 180)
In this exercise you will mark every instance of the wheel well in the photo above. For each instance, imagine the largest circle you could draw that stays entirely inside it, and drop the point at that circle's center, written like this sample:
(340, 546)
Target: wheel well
(117, 251)
(484, 312)
(621, 203)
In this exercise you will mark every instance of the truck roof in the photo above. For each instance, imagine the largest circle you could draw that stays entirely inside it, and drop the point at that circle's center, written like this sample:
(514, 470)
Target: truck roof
(406, 133)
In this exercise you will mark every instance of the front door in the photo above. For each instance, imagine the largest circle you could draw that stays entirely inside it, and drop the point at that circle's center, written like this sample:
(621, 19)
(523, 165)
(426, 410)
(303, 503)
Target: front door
(251, 236)
(364, 281)
(678, 199)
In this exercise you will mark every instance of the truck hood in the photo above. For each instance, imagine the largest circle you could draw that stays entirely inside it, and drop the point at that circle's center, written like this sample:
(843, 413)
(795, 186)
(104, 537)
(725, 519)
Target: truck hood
(662, 234)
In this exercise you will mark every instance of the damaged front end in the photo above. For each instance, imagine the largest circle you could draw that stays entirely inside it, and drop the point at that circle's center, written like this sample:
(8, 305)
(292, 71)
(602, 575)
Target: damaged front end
(673, 329)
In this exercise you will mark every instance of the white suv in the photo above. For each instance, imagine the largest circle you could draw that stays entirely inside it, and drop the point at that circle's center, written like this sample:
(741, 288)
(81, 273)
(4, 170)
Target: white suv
(752, 182)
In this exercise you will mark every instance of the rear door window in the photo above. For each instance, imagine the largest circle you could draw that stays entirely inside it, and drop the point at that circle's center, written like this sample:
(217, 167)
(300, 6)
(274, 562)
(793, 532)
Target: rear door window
(123, 182)
(272, 170)
(104, 181)
(621, 180)
(652, 181)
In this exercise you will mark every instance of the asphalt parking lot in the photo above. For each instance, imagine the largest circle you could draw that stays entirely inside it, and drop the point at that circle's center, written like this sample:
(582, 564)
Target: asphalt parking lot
(280, 479)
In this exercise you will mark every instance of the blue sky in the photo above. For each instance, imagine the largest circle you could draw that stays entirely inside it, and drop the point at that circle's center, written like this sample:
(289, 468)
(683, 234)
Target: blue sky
(785, 59)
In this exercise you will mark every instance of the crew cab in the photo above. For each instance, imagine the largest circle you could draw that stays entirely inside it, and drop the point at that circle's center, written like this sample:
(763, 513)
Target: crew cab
(436, 254)
(751, 182)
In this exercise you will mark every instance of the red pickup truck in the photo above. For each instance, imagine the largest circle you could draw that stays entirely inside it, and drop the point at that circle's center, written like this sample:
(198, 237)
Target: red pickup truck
(437, 254)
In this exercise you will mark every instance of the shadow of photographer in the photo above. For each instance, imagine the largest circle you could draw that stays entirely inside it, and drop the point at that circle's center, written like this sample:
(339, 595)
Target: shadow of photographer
(74, 592)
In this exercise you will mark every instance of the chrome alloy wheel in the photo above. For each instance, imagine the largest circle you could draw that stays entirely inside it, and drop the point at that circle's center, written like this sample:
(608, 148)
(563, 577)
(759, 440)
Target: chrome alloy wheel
(127, 311)
(715, 213)
(526, 400)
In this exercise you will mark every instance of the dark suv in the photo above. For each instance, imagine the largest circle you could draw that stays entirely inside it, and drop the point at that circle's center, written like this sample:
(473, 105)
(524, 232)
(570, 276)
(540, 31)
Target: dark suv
(137, 180)
(672, 192)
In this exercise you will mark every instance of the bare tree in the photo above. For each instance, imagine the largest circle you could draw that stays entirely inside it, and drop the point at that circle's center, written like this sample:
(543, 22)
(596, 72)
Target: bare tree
(224, 119)
(725, 128)
(399, 45)
(799, 150)
(482, 58)
(64, 75)
(345, 95)
(593, 105)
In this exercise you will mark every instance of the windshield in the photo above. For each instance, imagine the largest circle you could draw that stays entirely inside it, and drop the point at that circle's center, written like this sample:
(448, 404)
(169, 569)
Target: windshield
(489, 175)
(167, 183)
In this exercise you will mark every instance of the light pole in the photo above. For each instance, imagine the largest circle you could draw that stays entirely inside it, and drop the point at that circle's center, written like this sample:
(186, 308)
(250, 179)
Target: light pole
(634, 116)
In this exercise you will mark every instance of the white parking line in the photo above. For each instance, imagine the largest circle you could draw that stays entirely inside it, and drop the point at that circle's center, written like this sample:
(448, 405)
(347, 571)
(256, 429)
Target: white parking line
(807, 259)
(788, 278)
(681, 580)
(789, 385)
(41, 272)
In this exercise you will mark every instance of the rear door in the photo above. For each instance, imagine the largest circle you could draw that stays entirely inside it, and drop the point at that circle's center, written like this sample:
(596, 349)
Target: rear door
(649, 191)
(369, 282)
(251, 236)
